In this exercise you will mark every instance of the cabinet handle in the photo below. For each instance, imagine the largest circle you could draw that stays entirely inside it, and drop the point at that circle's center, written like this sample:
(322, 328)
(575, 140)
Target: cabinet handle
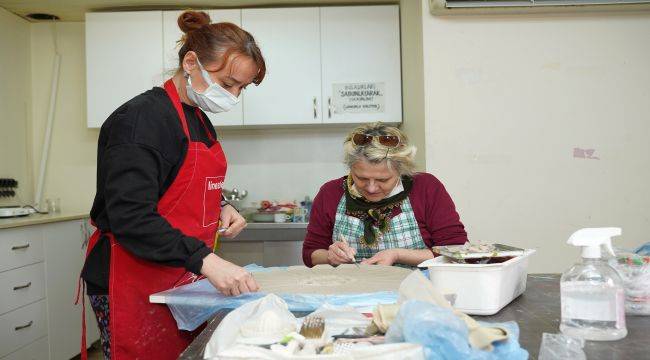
(329, 107)
(24, 326)
(20, 247)
(315, 113)
(23, 286)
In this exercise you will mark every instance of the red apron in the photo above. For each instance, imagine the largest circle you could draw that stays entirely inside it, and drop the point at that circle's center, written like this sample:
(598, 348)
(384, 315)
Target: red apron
(139, 329)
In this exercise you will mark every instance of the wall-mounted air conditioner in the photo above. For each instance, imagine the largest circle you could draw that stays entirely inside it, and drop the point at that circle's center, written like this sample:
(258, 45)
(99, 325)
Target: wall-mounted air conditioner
(449, 7)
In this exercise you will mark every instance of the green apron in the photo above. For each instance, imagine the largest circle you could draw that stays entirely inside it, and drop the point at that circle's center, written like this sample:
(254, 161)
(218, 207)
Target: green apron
(403, 232)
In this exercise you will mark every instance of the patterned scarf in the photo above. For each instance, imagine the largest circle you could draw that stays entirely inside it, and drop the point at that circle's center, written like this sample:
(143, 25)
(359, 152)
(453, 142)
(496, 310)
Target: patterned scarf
(373, 213)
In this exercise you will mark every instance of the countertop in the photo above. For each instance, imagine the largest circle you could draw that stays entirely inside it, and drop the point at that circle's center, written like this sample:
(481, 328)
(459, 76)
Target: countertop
(536, 311)
(36, 219)
(265, 232)
(271, 226)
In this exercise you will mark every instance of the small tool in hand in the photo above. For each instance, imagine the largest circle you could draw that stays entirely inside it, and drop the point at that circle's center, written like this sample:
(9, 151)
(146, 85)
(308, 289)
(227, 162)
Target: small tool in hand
(220, 231)
(345, 241)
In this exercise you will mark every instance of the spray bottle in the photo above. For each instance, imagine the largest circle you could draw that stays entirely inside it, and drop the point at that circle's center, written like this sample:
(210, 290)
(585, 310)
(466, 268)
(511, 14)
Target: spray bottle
(591, 292)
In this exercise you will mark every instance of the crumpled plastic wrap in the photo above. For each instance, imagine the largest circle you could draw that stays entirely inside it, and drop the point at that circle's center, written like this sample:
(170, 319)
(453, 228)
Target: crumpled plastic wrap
(634, 270)
(445, 336)
(561, 347)
(228, 332)
(225, 342)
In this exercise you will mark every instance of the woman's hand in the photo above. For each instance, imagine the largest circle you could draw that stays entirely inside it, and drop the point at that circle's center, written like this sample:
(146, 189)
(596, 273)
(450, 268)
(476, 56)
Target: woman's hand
(232, 221)
(384, 257)
(228, 278)
(340, 253)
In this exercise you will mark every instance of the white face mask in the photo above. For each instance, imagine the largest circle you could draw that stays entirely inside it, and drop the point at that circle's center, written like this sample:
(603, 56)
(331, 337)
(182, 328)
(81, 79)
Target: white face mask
(215, 98)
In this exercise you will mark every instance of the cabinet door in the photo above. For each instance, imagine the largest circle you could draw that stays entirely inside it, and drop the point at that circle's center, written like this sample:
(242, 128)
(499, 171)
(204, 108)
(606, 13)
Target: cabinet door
(22, 326)
(361, 64)
(64, 258)
(34, 351)
(123, 59)
(290, 42)
(171, 35)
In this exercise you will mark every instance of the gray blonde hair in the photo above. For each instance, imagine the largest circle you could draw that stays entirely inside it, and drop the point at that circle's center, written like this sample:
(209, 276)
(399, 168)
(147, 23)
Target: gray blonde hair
(400, 158)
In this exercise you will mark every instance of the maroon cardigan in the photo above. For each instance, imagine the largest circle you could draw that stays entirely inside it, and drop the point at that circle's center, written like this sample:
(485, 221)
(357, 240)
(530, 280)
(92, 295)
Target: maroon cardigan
(434, 211)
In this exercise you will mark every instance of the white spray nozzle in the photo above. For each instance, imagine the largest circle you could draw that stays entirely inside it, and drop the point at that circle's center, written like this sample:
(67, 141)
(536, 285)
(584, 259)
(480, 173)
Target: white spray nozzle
(592, 238)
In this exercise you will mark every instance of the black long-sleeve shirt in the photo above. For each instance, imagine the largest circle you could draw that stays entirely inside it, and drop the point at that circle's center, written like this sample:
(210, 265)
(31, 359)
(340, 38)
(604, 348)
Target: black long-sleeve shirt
(140, 151)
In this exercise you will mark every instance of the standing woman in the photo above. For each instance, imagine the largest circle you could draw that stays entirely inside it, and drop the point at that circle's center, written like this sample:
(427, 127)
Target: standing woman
(158, 205)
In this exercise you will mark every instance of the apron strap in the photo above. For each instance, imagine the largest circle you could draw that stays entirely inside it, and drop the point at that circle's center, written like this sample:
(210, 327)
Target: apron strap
(173, 95)
(81, 289)
(207, 131)
(170, 88)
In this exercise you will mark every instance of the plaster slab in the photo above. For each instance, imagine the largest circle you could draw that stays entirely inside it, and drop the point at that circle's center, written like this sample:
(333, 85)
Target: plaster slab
(329, 280)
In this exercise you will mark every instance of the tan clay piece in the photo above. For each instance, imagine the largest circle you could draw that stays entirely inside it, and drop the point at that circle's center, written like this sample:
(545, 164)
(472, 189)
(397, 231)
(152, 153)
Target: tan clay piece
(328, 280)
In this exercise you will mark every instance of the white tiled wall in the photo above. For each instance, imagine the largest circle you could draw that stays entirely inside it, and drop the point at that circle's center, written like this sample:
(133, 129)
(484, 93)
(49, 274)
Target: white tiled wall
(282, 164)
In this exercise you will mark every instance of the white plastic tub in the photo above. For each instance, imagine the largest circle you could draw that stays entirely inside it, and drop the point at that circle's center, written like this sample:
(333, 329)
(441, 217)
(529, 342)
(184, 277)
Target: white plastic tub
(480, 289)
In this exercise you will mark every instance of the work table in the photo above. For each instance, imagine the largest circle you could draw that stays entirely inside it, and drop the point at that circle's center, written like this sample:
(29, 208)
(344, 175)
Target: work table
(536, 311)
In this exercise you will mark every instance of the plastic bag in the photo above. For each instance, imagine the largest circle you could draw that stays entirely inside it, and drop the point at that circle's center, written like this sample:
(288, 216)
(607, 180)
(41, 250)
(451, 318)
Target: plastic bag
(402, 351)
(445, 336)
(226, 341)
(228, 330)
(561, 347)
(338, 319)
(634, 270)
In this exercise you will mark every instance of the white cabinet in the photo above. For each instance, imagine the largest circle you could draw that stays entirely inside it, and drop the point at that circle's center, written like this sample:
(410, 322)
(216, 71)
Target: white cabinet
(64, 258)
(361, 64)
(266, 245)
(171, 35)
(21, 286)
(38, 318)
(34, 351)
(325, 65)
(20, 247)
(22, 326)
(123, 59)
(290, 42)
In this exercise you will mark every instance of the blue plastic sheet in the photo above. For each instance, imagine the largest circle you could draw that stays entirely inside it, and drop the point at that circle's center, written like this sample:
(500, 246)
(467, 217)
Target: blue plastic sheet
(193, 304)
(445, 336)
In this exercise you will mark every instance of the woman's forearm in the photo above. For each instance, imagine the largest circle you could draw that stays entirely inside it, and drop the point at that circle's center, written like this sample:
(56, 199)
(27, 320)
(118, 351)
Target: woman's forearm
(413, 257)
(319, 257)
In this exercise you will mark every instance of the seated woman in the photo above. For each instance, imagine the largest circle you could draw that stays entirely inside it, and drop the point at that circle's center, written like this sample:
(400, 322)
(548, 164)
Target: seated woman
(382, 212)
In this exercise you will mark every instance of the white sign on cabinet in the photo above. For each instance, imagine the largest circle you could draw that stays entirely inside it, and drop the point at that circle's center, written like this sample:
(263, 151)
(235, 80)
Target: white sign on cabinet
(360, 98)
(361, 49)
(172, 33)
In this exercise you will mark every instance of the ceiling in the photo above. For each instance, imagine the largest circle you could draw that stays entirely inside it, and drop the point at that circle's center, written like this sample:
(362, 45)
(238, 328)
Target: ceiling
(73, 10)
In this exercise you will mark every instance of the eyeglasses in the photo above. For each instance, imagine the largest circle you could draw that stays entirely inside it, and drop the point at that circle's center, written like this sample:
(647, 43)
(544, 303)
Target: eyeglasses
(390, 141)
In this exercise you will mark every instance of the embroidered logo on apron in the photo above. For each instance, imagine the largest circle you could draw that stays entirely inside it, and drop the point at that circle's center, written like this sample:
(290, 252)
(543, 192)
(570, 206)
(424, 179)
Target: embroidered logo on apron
(211, 198)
